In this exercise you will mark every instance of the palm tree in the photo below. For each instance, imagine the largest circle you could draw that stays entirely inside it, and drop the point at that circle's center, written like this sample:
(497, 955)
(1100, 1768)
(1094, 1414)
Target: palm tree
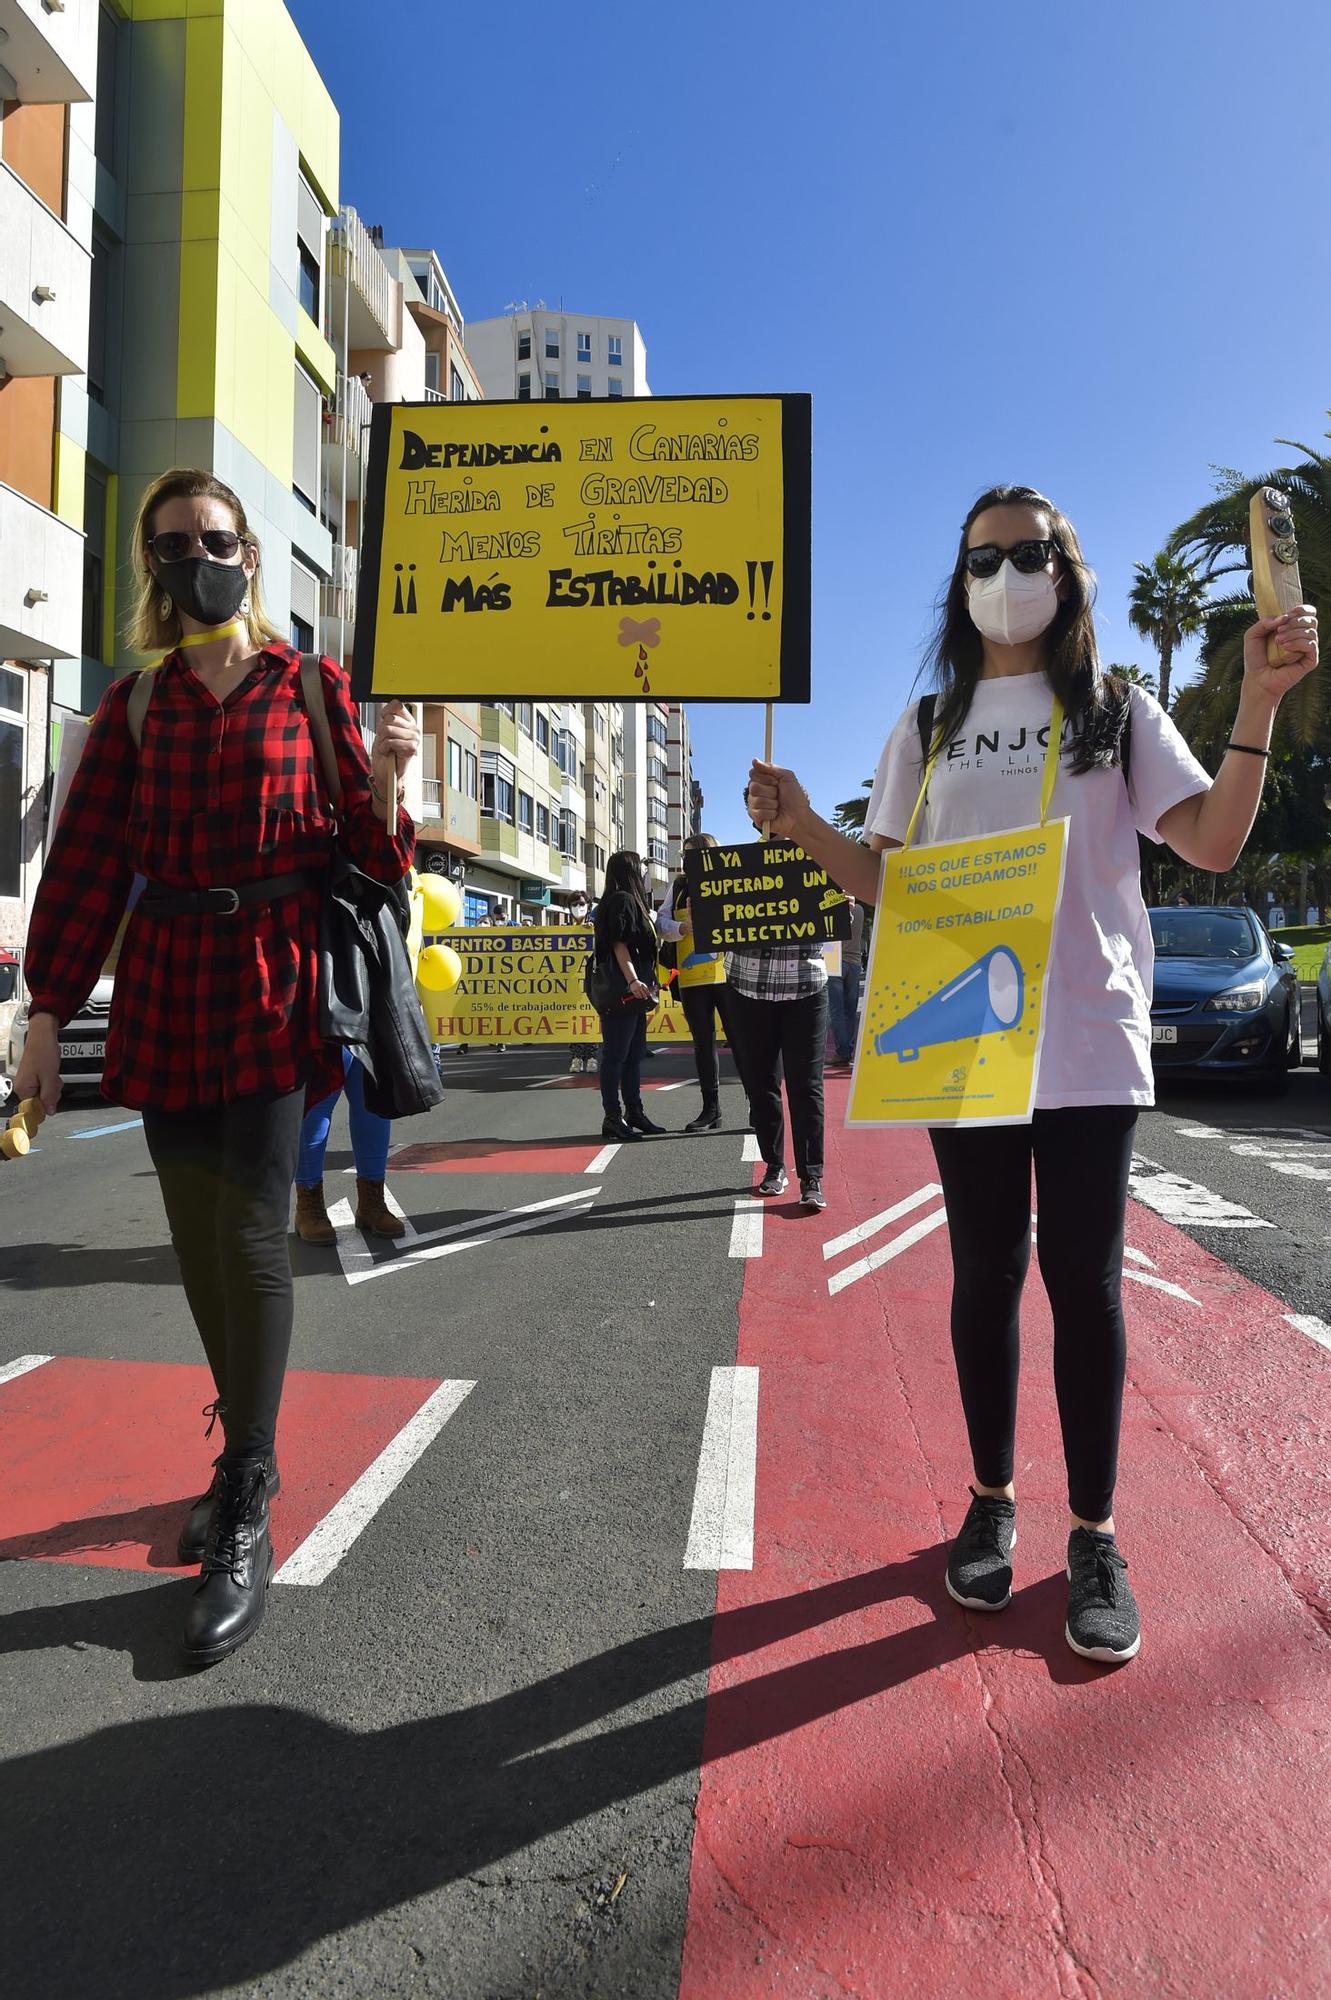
(1167, 604)
(1133, 675)
(848, 817)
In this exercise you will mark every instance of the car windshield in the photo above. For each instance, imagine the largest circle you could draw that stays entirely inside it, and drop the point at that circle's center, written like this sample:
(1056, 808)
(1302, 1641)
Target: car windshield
(1203, 934)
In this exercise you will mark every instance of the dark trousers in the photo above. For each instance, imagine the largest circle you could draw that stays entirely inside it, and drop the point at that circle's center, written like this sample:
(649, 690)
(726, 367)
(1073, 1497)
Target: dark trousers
(772, 1036)
(1081, 1157)
(702, 1006)
(623, 1039)
(226, 1177)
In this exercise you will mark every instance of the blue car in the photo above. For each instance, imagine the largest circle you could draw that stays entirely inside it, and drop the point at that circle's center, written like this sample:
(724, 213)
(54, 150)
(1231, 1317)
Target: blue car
(1226, 999)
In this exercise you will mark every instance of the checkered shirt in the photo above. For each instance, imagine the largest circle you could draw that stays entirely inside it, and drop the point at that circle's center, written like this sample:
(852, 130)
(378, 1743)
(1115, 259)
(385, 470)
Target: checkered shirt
(777, 972)
(206, 1008)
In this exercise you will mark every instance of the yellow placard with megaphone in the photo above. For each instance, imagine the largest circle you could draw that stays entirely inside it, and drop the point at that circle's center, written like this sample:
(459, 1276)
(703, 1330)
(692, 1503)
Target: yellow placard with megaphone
(953, 1012)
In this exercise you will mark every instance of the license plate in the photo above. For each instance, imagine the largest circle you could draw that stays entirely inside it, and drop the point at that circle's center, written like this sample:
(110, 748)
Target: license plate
(82, 1049)
(1164, 1034)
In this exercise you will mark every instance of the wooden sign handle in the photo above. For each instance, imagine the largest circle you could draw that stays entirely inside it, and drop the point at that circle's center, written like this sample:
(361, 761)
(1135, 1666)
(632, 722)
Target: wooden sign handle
(767, 758)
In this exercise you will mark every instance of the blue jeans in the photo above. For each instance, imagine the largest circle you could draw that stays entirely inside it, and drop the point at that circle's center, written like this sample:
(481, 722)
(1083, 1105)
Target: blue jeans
(623, 1039)
(370, 1133)
(843, 1000)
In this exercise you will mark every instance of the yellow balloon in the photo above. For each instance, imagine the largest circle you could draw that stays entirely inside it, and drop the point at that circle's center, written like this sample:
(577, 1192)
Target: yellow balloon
(441, 901)
(440, 968)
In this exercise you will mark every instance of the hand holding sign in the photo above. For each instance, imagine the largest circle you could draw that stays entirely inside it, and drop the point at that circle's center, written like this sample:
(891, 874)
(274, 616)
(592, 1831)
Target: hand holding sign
(776, 799)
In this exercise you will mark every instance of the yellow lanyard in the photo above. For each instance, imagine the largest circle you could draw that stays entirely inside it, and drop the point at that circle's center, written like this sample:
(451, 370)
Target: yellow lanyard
(1046, 782)
(213, 632)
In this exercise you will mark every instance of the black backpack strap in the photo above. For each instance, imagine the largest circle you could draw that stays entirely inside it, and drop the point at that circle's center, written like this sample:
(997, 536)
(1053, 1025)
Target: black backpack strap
(312, 687)
(140, 694)
(925, 721)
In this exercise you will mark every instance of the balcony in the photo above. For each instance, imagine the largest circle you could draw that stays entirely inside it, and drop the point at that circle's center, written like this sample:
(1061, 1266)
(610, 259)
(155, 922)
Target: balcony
(346, 437)
(41, 582)
(44, 278)
(434, 396)
(51, 55)
(363, 288)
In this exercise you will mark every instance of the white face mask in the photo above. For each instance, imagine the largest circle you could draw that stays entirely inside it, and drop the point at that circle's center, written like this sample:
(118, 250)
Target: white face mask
(1010, 608)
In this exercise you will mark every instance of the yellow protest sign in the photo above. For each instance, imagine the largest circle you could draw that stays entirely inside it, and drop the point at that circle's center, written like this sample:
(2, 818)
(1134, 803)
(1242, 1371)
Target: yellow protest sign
(525, 986)
(587, 550)
(953, 1011)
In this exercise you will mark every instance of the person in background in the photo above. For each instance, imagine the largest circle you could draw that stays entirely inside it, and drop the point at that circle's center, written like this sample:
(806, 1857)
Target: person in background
(214, 1026)
(626, 937)
(370, 1139)
(777, 1009)
(844, 978)
(701, 977)
(579, 913)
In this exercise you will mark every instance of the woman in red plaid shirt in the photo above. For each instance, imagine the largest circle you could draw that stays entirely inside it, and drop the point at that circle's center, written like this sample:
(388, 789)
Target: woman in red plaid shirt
(214, 1025)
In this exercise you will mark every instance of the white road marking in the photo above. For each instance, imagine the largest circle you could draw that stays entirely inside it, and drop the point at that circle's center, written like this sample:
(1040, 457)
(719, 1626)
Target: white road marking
(1138, 1256)
(885, 1253)
(751, 1156)
(23, 1366)
(663, 1087)
(746, 1231)
(1316, 1329)
(1186, 1202)
(721, 1528)
(358, 1264)
(323, 1549)
(864, 1230)
(603, 1158)
(1161, 1285)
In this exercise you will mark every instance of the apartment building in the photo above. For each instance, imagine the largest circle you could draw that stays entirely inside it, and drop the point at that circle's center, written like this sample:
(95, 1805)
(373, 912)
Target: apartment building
(679, 783)
(534, 787)
(48, 77)
(530, 353)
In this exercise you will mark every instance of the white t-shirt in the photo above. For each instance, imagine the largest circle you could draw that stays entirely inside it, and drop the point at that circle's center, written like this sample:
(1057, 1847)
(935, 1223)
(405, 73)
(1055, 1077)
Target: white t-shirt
(1097, 1034)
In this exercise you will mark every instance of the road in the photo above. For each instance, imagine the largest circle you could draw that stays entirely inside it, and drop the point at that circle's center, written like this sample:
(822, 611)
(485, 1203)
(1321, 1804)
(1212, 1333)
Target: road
(609, 1653)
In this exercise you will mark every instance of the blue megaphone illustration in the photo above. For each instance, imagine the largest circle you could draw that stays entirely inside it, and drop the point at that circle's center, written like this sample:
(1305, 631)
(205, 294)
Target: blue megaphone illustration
(983, 1000)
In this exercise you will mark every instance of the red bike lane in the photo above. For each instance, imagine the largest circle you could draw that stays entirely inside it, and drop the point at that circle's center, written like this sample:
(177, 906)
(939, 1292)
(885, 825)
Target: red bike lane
(902, 1798)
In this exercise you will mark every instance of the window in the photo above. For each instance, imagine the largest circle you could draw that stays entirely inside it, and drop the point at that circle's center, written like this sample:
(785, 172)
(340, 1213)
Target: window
(457, 388)
(308, 282)
(304, 607)
(475, 909)
(568, 836)
(454, 764)
(613, 388)
(525, 717)
(543, 825)
(584, 347)
(552, 385)
(543, 731)
(309, 247)
(524, 346)
(656, 731)
(497, 776)
(586, 852)
(615, 351)
(306, 437)
(598, 722)
(13, 687)
(524, 812)
(108, 63)
(469, 773)
(524, 388)
(99, 316)
(551, 344)
(600, 860)
(94, 560)
(584, 388)
(656, 769)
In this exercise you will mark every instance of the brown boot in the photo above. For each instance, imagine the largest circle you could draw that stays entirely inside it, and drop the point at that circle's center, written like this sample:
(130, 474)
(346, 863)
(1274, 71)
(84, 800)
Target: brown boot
(373, 1212)
(312, 1224)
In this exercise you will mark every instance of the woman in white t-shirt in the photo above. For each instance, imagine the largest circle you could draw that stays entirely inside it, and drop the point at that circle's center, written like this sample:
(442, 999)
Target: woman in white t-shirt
(1015, 632)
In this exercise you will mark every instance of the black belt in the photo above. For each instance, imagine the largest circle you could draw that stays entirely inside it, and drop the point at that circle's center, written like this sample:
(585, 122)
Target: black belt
(158, 902)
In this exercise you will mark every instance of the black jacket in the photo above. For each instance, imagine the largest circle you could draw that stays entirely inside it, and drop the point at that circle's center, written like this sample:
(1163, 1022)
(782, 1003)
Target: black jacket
(367, 996)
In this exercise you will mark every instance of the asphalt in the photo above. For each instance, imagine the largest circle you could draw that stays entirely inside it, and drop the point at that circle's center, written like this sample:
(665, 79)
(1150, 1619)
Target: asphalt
(466, 1763)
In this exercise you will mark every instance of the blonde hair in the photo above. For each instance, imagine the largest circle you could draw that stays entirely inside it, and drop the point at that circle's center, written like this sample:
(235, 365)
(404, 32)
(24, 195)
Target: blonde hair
(150, 628)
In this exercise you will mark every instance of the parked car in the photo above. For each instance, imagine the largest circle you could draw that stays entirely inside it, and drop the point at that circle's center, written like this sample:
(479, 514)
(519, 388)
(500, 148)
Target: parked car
(1324, 1014)
(1226, 999)
(82, 1040)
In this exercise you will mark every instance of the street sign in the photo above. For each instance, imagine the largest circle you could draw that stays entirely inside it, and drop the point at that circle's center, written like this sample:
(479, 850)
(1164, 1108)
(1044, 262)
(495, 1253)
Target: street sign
(608, 548)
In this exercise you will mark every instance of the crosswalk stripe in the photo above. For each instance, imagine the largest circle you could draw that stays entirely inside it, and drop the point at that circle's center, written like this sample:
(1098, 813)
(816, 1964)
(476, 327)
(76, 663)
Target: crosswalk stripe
(23, 1366)
(1316, 1329)
(751, 1156)
(721, 1527)
(746, 1231)
(603, 1158)
(864, 1230)
(885, 1253)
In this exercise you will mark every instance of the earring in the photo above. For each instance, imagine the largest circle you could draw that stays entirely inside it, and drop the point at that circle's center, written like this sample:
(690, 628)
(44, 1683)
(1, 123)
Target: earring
(164, 608)
(245, 605)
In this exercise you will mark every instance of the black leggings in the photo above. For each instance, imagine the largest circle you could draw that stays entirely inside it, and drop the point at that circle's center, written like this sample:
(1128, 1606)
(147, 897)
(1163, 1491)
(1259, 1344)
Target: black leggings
(226, 1177)
(1082, 1156)
(702, 1005)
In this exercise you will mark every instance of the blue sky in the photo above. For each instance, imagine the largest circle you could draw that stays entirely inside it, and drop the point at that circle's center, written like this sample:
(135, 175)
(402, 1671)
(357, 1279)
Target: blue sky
(1081, 247)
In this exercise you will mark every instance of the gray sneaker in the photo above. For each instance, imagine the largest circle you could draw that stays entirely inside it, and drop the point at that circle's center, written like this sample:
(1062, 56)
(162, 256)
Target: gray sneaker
(1102, 1611)
(979, 1569)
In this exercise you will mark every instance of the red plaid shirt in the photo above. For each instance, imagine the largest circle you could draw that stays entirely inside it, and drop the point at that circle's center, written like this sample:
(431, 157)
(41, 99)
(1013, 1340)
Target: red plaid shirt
(206, 1008)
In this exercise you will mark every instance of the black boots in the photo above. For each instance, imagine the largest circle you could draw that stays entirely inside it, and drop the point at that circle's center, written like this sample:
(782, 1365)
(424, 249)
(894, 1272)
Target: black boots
(708, 1119)
(614, 1127)
(229, 1603)
(637, 1121)
(194, 1534)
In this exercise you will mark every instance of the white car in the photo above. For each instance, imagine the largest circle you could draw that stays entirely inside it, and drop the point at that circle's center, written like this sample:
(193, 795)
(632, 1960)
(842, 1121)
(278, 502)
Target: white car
(82, 1040)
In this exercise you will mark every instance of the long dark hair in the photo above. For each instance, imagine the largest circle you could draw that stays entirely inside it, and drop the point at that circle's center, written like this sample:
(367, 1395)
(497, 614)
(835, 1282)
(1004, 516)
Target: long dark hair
(1095, 706)
(679, 888)
(623, 877)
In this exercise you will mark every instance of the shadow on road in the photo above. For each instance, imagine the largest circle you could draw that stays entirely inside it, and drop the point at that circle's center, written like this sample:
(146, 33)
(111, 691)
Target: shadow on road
(171, 1857)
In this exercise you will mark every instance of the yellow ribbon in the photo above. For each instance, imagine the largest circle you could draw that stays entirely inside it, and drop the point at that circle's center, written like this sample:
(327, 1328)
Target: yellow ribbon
(213, 632)
(1047, 781)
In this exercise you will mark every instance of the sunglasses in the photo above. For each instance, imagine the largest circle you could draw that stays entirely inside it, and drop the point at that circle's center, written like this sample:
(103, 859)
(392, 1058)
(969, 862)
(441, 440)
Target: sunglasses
(1026, 557)
(175, 544)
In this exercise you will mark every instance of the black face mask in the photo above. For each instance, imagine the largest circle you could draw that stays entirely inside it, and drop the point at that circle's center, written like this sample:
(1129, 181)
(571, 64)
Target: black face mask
(208, 591)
